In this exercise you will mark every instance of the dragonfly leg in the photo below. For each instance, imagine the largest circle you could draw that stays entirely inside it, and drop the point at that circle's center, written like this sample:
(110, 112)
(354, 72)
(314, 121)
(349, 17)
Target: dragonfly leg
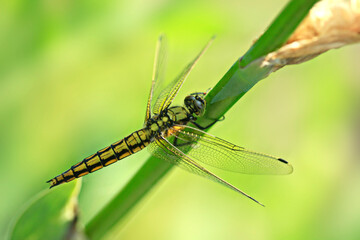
(206, 127)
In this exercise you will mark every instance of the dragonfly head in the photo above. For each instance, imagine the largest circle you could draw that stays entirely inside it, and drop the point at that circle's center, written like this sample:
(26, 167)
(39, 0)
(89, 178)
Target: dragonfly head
(196, 104)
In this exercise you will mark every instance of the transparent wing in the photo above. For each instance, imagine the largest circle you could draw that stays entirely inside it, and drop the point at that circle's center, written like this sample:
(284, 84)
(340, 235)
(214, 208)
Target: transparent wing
(165, 150)
(157, 77)
(221, 154)
(168, 94)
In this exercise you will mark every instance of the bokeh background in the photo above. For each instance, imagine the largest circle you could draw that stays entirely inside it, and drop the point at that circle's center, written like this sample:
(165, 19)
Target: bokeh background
(74, 77)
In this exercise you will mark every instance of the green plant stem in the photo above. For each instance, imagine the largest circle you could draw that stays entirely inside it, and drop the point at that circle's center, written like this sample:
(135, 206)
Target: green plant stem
(233, 85)
(240, 78)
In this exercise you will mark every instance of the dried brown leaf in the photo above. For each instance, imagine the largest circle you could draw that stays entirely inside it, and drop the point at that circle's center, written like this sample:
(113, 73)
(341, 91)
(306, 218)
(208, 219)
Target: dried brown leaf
(329, 24)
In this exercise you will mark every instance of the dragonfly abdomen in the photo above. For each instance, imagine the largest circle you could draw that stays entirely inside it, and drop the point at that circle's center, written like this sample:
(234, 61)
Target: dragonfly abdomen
(104, 157)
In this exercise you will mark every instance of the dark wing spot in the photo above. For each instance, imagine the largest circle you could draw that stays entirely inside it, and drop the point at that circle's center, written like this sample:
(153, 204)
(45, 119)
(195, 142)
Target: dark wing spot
(282, 160)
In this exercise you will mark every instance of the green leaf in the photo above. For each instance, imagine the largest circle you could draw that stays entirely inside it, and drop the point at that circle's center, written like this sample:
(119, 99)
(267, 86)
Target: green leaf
(51, 214)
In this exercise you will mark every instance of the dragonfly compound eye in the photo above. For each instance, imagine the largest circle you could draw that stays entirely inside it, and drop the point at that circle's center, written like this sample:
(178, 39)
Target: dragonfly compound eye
(195, 104)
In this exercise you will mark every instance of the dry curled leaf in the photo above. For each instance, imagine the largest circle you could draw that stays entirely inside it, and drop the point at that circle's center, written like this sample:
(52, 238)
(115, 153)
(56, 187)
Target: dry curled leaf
(329, 24)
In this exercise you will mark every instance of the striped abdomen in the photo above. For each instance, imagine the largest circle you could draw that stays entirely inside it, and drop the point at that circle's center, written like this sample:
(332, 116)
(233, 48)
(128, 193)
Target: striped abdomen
(104, 157)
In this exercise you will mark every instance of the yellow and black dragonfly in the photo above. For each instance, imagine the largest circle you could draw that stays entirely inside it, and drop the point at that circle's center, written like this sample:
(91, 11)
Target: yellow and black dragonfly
(167, 136)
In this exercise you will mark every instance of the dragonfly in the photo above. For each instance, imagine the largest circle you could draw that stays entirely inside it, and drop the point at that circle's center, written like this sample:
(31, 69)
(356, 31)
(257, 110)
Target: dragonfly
(167, 135)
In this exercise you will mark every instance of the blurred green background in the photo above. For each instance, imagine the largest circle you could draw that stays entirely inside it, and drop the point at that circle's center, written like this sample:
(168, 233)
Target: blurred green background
(74, 77)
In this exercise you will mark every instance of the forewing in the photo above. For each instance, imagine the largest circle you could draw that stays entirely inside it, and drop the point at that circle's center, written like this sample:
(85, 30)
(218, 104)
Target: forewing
(165, 150)
(221, 154)
(168, 94)
(157, 77)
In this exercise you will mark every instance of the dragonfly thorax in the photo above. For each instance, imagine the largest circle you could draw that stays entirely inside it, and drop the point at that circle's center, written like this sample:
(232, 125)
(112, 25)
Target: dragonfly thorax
(194, 107)
(158, 123)
(168, 118)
